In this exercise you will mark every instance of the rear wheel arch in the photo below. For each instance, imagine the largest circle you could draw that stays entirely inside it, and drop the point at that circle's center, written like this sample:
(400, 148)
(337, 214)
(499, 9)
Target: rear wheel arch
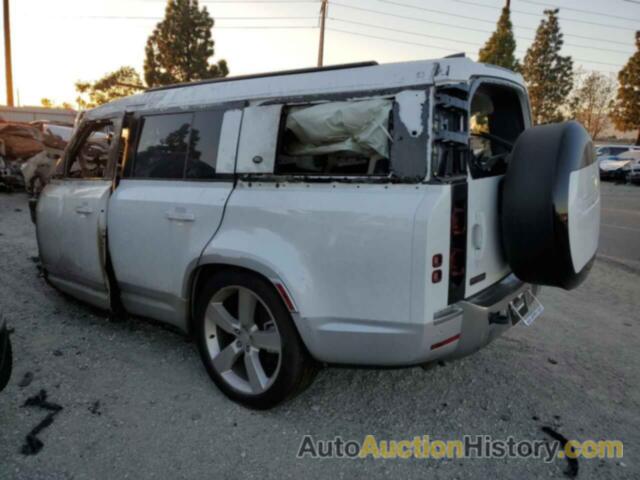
(201, 273)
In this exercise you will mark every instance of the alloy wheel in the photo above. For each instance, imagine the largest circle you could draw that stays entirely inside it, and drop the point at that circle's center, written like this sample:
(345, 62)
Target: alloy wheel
(243, 340)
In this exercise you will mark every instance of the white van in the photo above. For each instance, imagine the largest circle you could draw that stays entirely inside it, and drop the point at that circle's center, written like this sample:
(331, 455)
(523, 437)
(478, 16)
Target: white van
(361, 214)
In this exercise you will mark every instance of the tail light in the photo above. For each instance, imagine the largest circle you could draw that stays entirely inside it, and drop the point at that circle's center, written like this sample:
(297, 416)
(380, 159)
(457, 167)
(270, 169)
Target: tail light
(458, 246)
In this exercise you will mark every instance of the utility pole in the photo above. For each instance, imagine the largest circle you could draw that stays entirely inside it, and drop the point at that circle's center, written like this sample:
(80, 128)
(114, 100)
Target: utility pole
(509, 4)
(323, 17)
(7, 53)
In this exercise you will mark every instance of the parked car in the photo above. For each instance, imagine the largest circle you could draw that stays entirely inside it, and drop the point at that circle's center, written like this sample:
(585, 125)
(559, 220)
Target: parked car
(5, 356)
(383, 215)
(633, 167)
(605, 152)
(613, 165)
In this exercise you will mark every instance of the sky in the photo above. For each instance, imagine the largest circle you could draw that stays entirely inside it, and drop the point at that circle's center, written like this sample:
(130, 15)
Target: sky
(54, 44)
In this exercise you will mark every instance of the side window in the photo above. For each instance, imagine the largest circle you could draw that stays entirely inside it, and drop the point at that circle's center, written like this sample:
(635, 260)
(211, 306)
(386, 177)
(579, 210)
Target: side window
(89, 159)
(335, 138)
(203, 145)
(162, 146)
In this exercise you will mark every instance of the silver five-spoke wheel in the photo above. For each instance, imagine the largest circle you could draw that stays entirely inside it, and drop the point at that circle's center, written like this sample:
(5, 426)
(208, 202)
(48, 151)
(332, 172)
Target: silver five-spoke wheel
(242, 339)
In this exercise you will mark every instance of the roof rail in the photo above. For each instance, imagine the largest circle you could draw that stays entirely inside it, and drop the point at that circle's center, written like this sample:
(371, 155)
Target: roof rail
(342, 66)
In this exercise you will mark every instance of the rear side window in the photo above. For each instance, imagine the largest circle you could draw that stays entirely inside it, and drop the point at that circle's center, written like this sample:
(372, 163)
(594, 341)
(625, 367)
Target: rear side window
(335, 138)
(203, 145)
(162, 148)
(178, 146)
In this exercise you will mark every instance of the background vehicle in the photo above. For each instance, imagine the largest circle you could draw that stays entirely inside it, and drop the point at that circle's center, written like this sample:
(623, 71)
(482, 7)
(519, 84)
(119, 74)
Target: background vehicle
(613, 164)
(611, 151)
(633, 167)
(344, 215)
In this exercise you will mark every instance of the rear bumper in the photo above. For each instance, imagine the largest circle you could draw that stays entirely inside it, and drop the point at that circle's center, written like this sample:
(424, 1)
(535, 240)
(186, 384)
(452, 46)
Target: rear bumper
(457, 331)
(484, 317)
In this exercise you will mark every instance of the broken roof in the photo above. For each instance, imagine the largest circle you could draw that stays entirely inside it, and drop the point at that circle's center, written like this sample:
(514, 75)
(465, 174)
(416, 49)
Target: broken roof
(335, 80)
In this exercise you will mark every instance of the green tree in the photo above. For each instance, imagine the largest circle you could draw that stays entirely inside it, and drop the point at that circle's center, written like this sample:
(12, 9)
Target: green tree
(180, 46)
(548, 74)
(48, 103)
(591, 101)
(626, 113)
(501, 45)
(123, 82)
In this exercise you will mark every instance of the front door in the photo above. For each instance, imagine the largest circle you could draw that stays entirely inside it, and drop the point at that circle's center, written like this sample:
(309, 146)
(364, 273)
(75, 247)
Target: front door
(72, 212)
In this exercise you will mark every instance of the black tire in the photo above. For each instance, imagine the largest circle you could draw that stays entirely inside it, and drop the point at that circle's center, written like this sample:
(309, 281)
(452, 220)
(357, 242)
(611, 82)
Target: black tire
(297, 368)
(537, 210)
(6, 358)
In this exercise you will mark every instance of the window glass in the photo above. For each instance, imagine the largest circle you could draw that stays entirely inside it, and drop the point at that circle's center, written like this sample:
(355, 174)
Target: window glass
(162, 148)
(203, 144)
(90, 159)
(336, 138)
(617, 150)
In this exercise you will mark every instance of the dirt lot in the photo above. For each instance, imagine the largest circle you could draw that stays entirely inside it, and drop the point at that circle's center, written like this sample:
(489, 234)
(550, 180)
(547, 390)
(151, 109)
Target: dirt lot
(137, 403)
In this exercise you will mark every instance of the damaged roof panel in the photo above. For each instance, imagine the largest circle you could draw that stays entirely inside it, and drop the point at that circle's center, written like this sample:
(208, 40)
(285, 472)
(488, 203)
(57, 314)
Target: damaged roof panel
(392, 75)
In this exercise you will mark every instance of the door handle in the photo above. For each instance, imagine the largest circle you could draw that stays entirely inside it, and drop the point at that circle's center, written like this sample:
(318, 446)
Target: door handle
(84, 210)
(180, 215)
(478, 239)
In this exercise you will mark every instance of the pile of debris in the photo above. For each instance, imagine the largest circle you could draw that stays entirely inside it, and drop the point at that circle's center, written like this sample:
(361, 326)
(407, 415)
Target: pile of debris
(29, 153)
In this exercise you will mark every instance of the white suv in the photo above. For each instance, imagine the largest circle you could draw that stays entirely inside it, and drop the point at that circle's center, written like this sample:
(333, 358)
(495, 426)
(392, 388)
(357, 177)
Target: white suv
(361, 214)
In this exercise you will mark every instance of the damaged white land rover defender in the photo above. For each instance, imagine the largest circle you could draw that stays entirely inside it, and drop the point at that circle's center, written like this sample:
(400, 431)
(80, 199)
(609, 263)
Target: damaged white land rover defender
(362, 214)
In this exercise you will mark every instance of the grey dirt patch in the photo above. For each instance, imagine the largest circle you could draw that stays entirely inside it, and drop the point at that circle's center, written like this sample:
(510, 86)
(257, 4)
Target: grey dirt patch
(138, 404)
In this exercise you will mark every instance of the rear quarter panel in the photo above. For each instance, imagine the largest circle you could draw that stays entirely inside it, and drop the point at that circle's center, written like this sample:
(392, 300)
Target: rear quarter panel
(353, 258)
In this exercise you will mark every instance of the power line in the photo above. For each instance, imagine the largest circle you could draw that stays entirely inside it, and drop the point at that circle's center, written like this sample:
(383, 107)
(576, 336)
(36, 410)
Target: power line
(392, 39)
(563, 18)
(450, 39)
(407, 32)
(432, 10)
(467, 2)
(580, 10)
(388, 39)
(472, 29)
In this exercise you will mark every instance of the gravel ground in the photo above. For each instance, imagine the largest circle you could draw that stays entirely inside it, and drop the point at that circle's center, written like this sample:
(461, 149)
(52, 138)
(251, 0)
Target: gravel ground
(138, 404)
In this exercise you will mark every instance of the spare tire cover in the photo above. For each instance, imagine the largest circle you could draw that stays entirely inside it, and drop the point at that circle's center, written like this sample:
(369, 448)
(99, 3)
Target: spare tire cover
(551, 205)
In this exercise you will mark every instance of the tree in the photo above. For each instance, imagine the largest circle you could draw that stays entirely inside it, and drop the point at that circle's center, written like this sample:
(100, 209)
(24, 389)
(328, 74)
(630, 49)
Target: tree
(123, 82)
(591, 101)
(501, 46)
(548, 74)
(626, 113)
(180, 46)
(48, 103)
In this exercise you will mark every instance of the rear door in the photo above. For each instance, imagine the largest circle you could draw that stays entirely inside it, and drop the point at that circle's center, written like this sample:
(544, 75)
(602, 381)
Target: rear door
(72, 213)
(496, 120)
(169, 203)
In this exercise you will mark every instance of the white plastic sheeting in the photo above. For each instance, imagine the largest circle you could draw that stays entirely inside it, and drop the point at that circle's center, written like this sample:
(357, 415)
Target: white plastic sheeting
(356, 126)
